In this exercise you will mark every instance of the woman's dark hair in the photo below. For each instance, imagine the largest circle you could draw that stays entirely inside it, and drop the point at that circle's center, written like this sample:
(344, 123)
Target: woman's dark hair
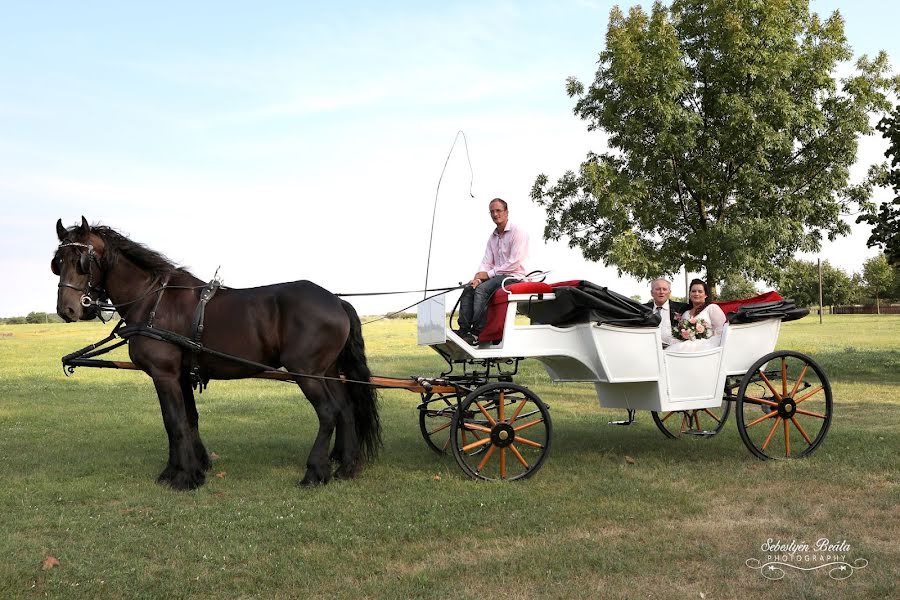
(696, 310)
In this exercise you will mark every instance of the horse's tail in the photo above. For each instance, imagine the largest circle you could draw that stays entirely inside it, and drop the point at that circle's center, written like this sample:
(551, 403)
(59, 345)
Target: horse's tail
(363, 397)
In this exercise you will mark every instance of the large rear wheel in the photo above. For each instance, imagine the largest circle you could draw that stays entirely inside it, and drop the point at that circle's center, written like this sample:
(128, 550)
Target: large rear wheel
(501, 431)
(784, 406)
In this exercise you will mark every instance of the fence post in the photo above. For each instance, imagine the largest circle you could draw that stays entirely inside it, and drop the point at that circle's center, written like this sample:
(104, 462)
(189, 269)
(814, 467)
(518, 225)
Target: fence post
(820, 290)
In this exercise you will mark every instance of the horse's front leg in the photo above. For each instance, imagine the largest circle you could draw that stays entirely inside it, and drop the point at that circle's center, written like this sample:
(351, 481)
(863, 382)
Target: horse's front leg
(184, 470)
(187, 392)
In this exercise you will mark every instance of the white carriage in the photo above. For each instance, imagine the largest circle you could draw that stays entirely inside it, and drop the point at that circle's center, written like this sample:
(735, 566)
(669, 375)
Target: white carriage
(501, 430)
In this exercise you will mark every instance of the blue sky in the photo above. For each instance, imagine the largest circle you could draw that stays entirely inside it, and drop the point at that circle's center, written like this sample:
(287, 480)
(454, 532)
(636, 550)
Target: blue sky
(293, 140)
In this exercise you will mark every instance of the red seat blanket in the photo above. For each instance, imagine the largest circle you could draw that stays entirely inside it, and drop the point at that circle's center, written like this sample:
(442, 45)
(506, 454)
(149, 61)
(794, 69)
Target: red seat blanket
(730, 306)
(496, 313)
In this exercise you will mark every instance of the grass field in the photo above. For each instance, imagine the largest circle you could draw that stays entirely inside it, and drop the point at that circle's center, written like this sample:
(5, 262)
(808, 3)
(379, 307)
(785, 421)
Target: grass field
(677, 519)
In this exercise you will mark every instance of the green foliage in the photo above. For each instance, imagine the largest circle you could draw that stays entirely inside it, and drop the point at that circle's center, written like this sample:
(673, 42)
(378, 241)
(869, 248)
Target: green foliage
(799, 280)
(736, 286)
(878, 277)
(731, 140)
(885, 219)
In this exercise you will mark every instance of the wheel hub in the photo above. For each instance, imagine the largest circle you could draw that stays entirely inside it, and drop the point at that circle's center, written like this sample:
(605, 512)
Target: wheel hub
(502, 435)
(787, 408)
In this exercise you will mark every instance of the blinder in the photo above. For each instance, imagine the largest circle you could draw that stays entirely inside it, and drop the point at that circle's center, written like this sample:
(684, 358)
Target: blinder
(84, 262)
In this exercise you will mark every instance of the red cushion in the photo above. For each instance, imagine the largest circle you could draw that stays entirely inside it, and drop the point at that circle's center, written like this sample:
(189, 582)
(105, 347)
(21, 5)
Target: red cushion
(496, 314)
(730, 306)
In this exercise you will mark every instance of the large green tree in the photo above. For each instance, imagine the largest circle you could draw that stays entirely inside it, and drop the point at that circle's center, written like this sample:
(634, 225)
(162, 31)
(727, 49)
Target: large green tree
(730, 140)
(885, 219)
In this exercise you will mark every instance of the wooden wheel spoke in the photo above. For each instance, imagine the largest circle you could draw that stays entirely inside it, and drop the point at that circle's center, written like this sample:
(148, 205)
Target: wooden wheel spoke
(502, 463)
(799, 381)
(768, 415)
(809, 414)
(440, 428)
(697, 420)
(487, 457)
(771, 432)
(667, 416)
(759, 400)
(528, 442)
(801, 430)
(474, 427)
(518, 411)
(710, 413)
(784, 378)
(684, 422)
(518, 455)
(528, 424)
(447, 443)
(485, 413)
(501, 408)
(769, 385)
(787, 439)
(478, 444)
(808, 394)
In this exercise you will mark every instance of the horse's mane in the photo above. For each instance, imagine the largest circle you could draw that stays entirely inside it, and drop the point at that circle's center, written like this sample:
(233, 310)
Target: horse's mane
(147, 259)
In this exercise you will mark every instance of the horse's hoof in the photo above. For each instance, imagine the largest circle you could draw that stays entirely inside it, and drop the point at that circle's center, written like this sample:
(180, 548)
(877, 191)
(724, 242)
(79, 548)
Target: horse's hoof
(183, 481)
(348, 471)
(167, 475)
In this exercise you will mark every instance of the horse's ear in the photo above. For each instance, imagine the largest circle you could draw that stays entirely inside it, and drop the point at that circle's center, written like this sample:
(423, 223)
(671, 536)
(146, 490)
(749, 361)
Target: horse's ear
(61, 232)
(85, 228)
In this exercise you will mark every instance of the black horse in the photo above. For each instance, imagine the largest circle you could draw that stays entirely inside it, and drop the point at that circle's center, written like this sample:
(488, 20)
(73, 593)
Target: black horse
(298, 325)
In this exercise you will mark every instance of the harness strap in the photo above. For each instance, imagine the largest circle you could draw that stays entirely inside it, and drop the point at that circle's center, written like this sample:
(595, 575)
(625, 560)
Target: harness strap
(197, 331)
(159, 295)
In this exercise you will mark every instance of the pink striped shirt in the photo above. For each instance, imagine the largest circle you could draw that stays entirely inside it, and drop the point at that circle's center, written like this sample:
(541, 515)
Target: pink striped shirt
(506, 252)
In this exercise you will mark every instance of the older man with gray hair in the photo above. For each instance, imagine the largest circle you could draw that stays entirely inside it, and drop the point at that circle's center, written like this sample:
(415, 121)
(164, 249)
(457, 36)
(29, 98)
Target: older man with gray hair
(660, 290)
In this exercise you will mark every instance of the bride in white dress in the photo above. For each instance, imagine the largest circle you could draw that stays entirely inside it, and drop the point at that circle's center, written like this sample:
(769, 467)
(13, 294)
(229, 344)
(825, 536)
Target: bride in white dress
(701, 309)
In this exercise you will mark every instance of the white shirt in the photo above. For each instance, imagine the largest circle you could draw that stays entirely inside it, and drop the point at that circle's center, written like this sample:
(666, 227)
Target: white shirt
(506, 252)
(665, 323)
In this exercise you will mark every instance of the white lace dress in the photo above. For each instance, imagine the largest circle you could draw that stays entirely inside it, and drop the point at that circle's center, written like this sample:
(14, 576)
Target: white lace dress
(713, 316)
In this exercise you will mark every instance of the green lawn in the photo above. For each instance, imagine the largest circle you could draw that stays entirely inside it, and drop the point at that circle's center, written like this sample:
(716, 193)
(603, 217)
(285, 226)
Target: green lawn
(679, 518)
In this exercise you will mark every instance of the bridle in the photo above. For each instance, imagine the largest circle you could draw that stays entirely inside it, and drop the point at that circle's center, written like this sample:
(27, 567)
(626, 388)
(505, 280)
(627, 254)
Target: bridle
(85, 264)
(90, 291)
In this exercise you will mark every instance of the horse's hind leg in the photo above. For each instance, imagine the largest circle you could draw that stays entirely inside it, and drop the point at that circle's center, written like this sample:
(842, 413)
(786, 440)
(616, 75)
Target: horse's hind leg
(346, 444)
(318, 467)
(190, 407)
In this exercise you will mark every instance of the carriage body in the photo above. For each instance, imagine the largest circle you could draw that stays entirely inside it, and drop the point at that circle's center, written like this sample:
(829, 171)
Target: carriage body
(630, 370)
(627, 365)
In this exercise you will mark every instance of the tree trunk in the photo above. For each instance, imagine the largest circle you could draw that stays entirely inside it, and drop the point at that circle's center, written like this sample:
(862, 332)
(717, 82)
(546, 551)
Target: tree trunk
(877, 304)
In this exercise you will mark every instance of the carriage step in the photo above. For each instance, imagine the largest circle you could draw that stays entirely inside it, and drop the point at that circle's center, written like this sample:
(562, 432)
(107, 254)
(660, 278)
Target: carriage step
(628, 421)
(699, 433)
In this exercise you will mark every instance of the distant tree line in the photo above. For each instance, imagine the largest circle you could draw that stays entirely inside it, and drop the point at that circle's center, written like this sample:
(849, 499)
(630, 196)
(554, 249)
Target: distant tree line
(32, 317)
(876, 283)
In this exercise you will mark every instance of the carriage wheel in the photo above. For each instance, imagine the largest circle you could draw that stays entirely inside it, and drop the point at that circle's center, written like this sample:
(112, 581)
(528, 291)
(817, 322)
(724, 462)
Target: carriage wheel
(436, 418)
(784, 406)
(511, 427)
(700, 422)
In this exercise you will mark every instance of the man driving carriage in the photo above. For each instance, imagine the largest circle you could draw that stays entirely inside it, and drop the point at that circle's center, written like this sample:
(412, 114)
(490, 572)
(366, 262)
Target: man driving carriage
(506, 251)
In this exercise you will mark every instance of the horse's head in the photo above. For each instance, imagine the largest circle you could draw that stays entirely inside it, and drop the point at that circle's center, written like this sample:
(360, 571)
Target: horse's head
(78, 262)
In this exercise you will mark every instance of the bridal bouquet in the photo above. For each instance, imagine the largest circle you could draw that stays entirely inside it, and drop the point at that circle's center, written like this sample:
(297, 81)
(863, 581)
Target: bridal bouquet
(691, 329)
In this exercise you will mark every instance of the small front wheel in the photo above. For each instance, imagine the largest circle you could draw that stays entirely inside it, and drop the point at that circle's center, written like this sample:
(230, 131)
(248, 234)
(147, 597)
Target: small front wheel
(700, 422)
(783, 406)
(509, 424)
